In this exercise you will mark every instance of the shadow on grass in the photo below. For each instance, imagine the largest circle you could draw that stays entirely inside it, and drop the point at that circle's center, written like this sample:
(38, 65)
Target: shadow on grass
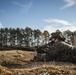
(10, 65)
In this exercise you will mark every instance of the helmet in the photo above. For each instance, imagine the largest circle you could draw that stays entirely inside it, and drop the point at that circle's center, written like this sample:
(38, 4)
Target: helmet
(57, 35)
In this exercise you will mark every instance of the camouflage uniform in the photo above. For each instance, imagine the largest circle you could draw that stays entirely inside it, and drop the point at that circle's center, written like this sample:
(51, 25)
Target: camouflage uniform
(62, 51)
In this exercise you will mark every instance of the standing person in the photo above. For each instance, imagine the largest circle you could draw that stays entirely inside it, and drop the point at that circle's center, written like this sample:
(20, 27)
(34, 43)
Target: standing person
(60, 50)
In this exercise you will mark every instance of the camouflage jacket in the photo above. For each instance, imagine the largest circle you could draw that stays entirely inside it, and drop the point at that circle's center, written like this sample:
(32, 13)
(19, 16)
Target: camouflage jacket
(61, 50)
(60, 45)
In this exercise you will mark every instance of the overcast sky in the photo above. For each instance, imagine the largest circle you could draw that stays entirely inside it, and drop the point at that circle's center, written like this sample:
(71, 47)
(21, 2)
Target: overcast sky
(38, 14)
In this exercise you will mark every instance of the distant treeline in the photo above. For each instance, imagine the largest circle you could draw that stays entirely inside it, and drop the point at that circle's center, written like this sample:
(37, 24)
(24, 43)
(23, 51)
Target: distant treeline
(19, 38)
(22, 38)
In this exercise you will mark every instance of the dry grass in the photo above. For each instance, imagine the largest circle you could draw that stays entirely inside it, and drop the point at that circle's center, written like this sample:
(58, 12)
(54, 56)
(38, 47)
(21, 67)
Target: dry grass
(44, 69)
(5, 71)
(48, 69)
(35, 68)
(15, 57)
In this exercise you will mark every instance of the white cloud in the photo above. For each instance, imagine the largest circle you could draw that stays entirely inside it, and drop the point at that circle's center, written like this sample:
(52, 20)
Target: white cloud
(71, 28)
(51, 28)
(1, 26)
(61, 25)
(24, 7)
(63, 22)
(69, 4)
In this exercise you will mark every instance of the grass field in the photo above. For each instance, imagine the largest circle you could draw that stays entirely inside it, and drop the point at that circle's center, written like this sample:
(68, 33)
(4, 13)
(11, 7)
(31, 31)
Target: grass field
(11, 62)
(16, 56)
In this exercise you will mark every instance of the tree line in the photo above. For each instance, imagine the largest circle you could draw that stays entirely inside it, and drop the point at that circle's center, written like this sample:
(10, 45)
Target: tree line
(27, 37)
(19, 37)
